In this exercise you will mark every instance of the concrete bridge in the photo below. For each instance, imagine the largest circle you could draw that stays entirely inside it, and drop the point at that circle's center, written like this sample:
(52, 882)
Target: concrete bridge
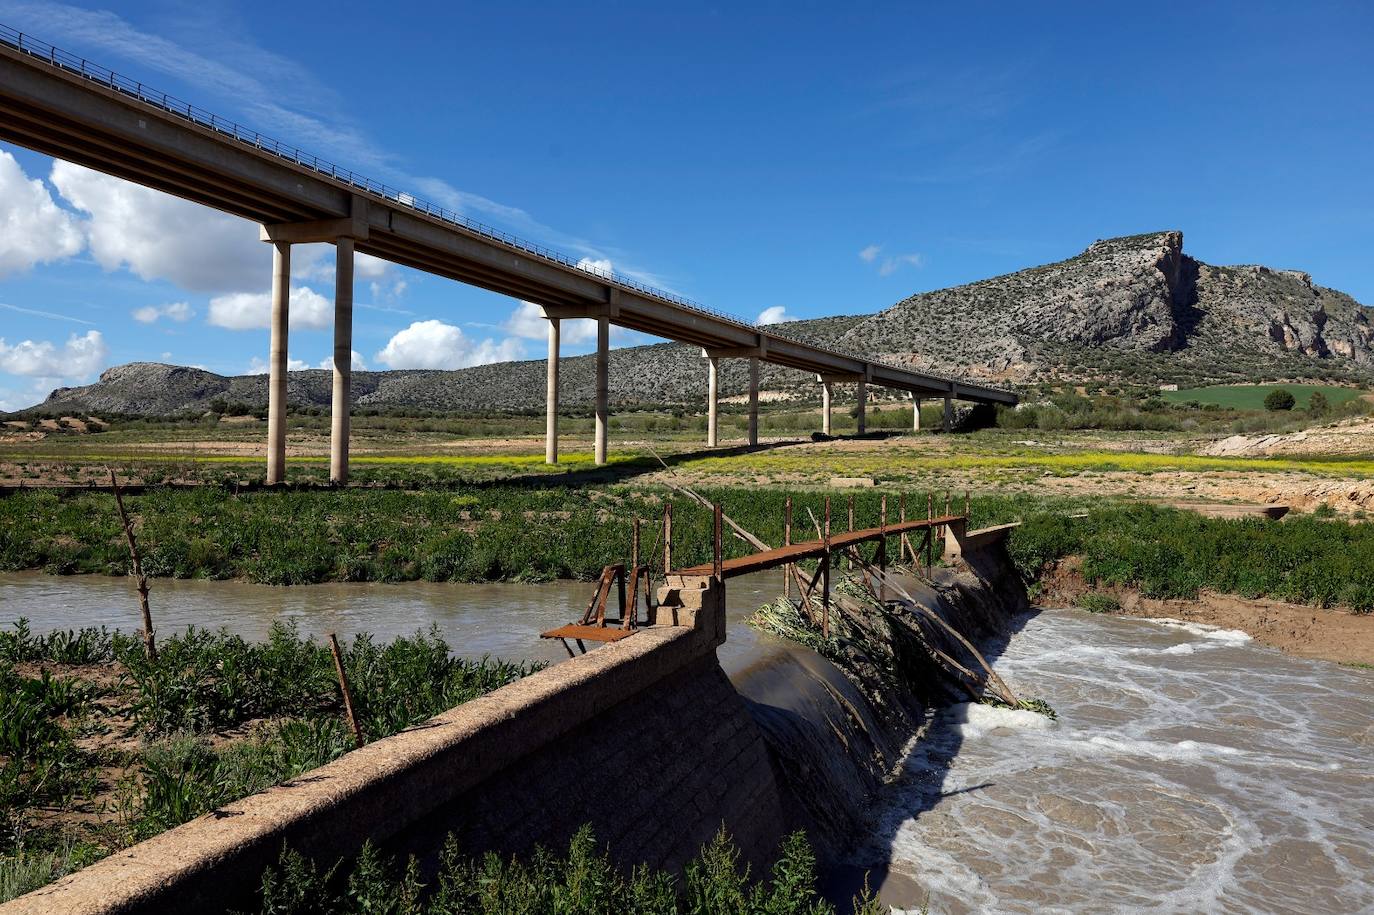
(62, 105)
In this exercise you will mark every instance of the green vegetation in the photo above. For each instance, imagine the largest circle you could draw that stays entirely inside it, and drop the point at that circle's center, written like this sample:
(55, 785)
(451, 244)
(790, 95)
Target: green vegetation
(216, 718)
(1279, 400)
(1253, 396)
(1169, 553)
(584, 882)
(1099, 602)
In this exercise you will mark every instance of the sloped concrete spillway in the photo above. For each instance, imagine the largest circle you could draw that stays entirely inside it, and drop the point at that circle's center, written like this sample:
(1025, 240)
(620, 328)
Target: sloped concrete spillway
(647, 739)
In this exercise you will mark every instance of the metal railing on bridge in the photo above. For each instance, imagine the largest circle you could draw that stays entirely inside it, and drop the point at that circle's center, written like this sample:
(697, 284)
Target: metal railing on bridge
(109, 79)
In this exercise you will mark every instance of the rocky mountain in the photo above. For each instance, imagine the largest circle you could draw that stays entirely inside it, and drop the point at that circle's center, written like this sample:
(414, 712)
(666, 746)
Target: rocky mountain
(1135, 309)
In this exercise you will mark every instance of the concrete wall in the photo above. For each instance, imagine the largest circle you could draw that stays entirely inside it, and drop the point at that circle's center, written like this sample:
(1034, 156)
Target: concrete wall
(647, 739)
(644, 738)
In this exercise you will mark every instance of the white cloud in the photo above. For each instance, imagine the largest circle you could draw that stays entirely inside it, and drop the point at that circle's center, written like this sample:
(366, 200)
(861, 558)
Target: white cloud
(253, 310)
(258, 366)
(527, 321)
(436, 345)
(177, 311)
(33, 228)
(158, 236)
(775, 315)
(892, 264)
(600, 266)
(357, 361)
(80, 357)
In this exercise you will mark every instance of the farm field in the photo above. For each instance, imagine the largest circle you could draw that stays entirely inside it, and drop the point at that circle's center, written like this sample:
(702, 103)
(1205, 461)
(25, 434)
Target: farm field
(1251, 396)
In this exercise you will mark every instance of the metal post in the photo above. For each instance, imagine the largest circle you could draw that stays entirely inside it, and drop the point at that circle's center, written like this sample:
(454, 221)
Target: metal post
(850, 562)
(603, 393)
(551, 397)
(277, 363)
(787, 541)
(343, 360)
(717, 545)
(930, 531)
(825, 574)
(667, 537)
(634, 545)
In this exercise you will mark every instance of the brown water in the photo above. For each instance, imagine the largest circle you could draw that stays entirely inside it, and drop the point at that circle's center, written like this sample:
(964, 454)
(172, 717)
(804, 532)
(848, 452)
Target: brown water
(500, 620)
(1189, 771)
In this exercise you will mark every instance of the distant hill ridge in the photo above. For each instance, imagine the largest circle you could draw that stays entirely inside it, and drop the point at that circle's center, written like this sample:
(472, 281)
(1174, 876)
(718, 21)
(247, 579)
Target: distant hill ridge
(1134, 309)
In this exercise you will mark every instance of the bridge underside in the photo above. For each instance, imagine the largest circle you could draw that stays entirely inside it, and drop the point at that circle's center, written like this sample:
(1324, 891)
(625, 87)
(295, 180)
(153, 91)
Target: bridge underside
(126, 130)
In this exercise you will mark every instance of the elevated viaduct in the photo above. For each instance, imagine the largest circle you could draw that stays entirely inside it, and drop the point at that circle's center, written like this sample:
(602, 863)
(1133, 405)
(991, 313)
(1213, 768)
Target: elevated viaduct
(62, 105)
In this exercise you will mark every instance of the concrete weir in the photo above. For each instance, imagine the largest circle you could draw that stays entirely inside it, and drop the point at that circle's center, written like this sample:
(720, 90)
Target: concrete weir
(647, 739)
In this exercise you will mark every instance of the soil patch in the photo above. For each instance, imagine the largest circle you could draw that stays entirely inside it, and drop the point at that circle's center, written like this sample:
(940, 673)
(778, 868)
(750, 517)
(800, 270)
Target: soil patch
(1308, 632)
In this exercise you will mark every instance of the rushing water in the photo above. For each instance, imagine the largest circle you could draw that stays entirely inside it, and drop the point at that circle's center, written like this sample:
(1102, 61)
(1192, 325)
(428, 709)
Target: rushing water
(1189, 771)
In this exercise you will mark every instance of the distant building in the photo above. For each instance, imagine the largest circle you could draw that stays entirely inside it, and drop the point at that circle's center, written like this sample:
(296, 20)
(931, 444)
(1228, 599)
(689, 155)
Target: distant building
(1168, 387)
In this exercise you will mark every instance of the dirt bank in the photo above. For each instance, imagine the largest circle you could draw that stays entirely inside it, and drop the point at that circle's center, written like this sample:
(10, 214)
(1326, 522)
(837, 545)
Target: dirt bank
(1308, 632)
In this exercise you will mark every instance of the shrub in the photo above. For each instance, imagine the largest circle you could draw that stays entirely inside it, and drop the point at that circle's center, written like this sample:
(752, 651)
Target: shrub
(1279, 399)
(1318, 405)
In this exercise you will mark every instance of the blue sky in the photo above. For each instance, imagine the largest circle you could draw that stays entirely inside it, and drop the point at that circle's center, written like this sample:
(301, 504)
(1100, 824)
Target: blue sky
(797, 159)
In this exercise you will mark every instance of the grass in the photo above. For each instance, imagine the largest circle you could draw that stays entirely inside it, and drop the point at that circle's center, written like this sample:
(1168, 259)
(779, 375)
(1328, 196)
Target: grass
(1099, 602)
(582, 882)
(1174, 554)
(216, 718)
(1251, 396)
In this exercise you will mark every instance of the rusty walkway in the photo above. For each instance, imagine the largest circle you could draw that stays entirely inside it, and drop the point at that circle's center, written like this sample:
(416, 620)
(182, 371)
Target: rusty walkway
(814, 549)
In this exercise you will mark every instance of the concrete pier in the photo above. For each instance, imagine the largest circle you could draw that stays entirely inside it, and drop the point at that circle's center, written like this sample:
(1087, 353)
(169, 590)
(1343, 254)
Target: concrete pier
(753, 401)
(948, 420)
(277, 363)
(603, 389)
(551, 423)
(862, 396)
(343, 359)
(712, 401)
(915, 414)
(825, 407)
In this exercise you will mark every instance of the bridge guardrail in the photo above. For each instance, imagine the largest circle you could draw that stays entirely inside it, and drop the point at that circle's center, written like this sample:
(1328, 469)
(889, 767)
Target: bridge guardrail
(109, 79)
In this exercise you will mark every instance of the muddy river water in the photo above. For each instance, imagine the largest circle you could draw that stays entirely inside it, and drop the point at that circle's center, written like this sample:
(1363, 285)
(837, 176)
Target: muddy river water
(1188, 770)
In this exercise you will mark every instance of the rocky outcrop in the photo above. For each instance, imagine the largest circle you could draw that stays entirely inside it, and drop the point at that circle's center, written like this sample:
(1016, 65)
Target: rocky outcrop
(1140, 298)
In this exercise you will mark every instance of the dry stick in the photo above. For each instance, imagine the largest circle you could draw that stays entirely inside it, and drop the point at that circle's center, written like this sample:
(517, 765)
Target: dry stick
(348, 693)
(149, 645)
(1007, 695)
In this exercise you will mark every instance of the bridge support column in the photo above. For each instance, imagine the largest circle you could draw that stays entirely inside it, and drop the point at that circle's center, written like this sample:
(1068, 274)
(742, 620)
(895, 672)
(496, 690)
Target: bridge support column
(753, 401)
(551, 423)
(603, 386)
(712, 401)
(863, 407)
(948, 421)
(825, 407)
(277, 363)
(343, 359)
(915, 414)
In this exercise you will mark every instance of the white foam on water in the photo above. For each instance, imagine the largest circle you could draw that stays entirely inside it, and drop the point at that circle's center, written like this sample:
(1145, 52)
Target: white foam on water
(1202, 630)
(972, 720)
(1177, 779)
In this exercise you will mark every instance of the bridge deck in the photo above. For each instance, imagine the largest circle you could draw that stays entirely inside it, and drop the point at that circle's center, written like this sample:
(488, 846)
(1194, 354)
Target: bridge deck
(809, 549)
(63, 106)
